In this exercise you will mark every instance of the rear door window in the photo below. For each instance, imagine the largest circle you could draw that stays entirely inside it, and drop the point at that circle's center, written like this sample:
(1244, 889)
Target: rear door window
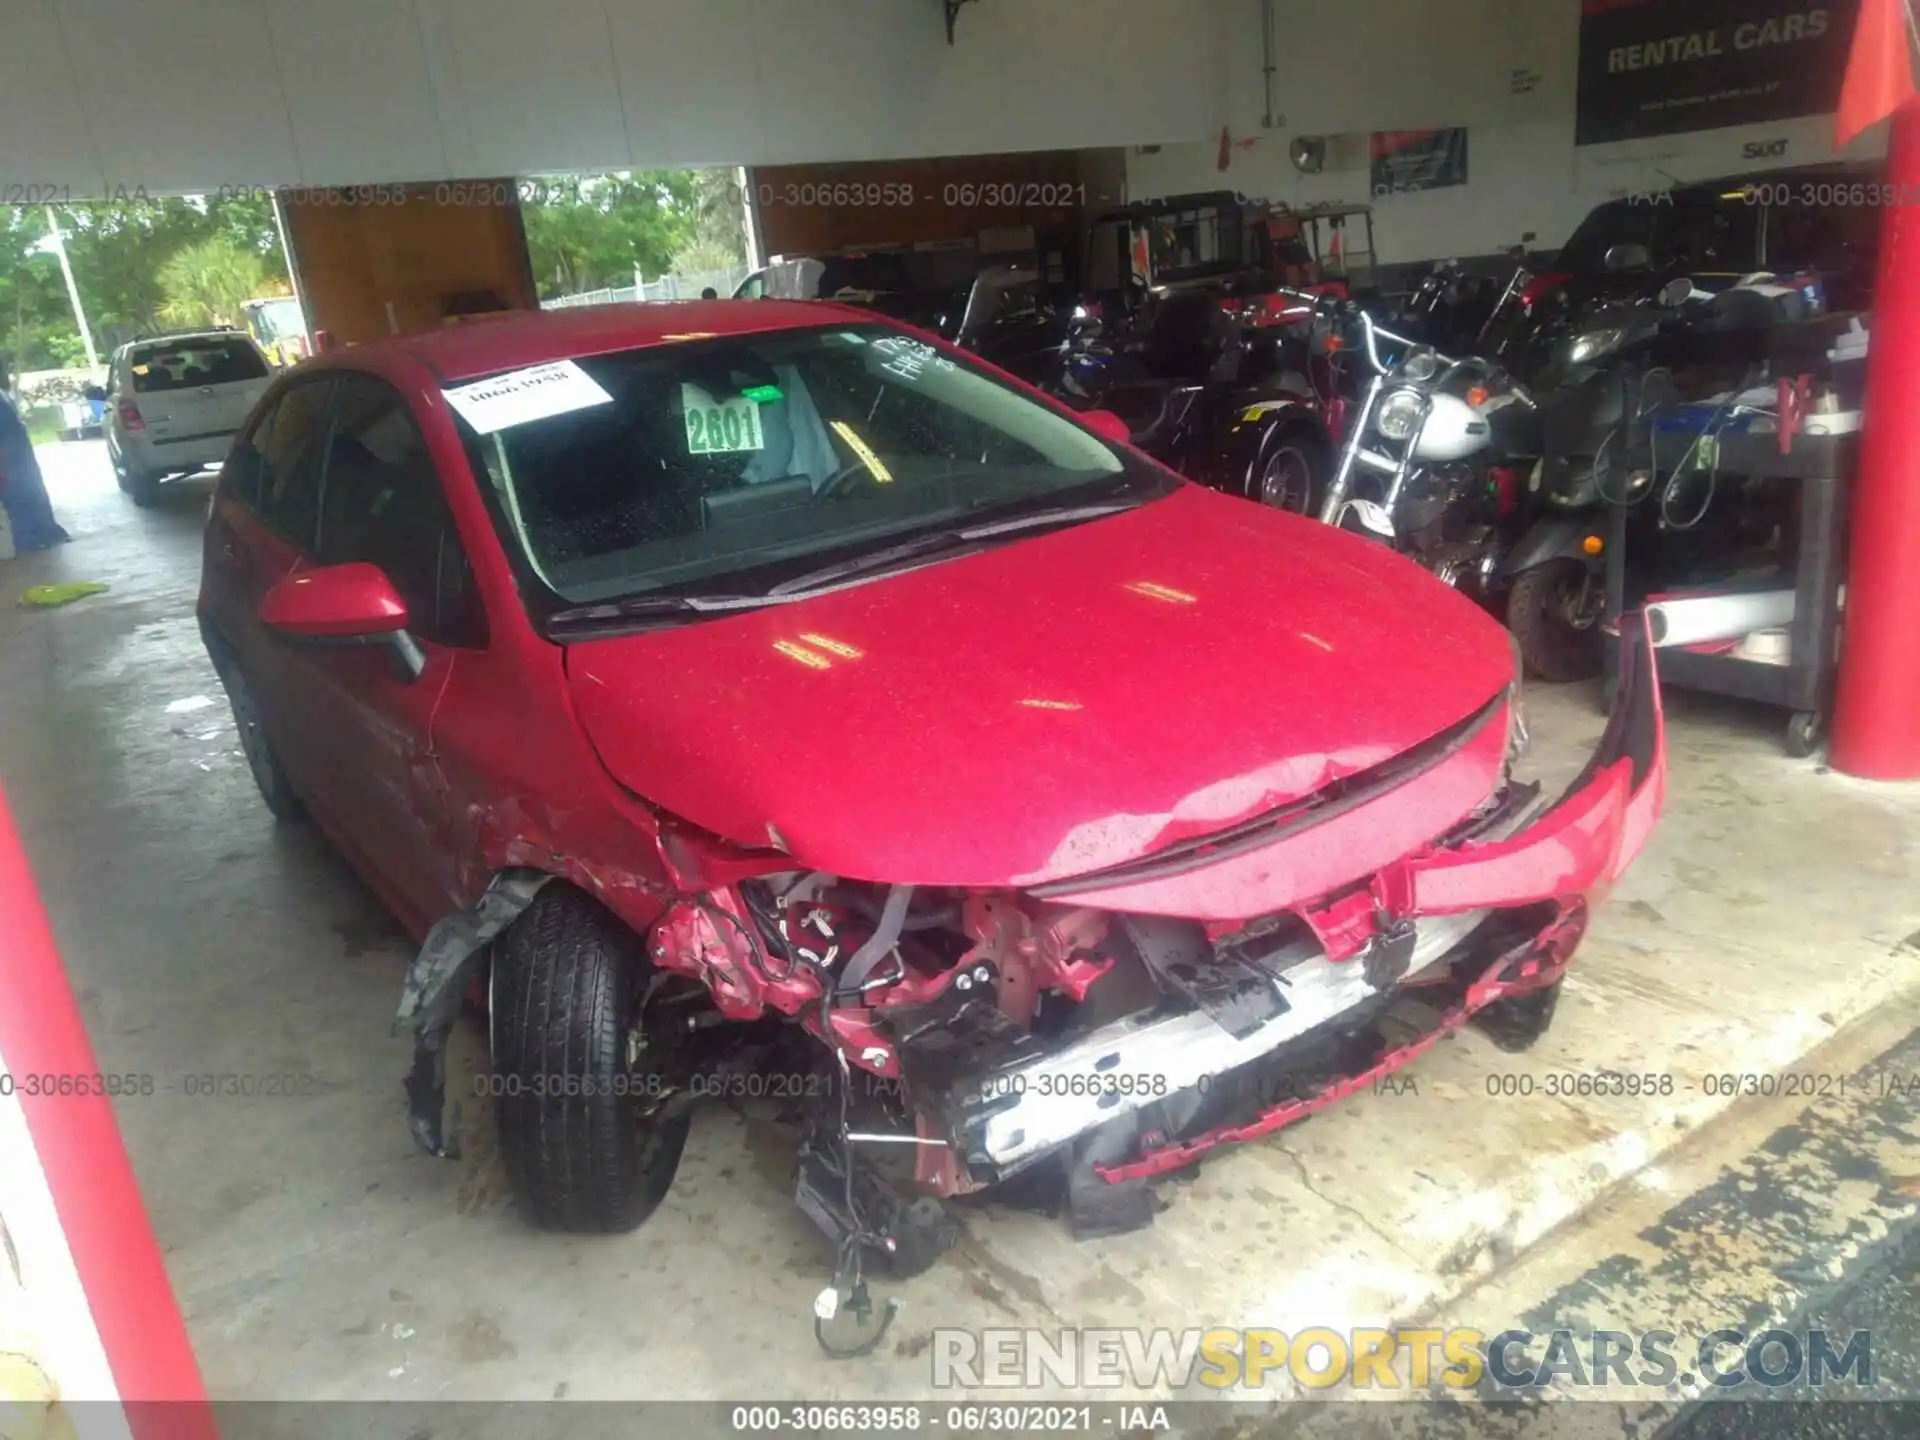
(189, 364)
(291, 456)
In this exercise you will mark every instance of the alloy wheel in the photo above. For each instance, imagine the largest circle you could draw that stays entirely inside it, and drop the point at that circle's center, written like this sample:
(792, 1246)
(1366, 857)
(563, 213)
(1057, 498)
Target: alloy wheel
(1286, 480)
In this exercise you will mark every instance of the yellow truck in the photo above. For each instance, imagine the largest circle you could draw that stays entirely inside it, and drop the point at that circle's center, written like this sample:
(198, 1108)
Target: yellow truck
(279, 327)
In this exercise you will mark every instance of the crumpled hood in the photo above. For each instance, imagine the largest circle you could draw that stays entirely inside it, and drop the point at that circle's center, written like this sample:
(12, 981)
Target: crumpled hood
(1057, 705)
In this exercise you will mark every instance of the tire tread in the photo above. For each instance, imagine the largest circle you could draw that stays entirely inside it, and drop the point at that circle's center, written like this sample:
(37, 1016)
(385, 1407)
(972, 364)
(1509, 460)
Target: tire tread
(587, 1163)
(1527, 618)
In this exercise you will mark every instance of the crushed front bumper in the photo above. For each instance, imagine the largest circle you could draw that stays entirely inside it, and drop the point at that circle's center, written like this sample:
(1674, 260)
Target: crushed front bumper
(1468, 924)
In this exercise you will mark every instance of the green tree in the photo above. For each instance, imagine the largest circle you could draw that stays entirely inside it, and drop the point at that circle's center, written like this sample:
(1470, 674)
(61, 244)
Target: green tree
(207, 281)
(589, 232)
(720, 222)
(705, 255)
(34, 315)
(116, 249)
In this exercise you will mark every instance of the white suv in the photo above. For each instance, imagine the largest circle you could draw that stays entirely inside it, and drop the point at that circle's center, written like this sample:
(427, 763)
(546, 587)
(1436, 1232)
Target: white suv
(174, 401)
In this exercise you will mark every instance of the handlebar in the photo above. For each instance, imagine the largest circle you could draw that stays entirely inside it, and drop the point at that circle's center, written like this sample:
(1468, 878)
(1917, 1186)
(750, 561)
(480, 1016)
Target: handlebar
(1451, 366)
(1370, 330)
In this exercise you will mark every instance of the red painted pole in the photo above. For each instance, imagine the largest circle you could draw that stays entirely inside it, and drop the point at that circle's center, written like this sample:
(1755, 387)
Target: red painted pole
(1876, 719)
(74, 1153)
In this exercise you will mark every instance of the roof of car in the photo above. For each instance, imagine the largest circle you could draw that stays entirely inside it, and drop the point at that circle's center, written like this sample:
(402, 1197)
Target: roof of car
(1784, 182)
(508, 341)
(174, 337)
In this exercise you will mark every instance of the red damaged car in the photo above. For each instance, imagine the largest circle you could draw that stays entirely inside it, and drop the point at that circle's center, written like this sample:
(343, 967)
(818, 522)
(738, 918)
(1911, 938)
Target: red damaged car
(761, 699)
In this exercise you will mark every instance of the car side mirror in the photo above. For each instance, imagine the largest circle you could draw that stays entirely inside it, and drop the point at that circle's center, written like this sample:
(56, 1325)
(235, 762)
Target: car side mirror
(353, 604)
(1626, 257)
(1107, 425)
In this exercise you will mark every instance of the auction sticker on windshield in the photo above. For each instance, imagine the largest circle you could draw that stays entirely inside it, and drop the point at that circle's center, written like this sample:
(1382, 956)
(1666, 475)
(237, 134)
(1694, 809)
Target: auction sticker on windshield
(719, 427)
(535, 393)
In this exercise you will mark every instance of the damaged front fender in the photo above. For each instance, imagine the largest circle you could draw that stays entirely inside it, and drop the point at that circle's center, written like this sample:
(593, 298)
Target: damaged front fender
(430, 996)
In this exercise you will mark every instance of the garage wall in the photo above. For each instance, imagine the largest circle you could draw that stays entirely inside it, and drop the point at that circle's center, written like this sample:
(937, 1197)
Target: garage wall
(367, 271)
(958, 199)
(101, 96)
(1505, 71)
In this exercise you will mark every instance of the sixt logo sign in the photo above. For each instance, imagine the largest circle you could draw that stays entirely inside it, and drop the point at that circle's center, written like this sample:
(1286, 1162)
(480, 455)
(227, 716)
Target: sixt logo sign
(1321, 1359)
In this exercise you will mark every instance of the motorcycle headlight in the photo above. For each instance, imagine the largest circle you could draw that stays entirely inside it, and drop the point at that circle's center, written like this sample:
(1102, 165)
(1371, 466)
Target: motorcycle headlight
(1400, 415)
(1594, 343)
(1420, 365)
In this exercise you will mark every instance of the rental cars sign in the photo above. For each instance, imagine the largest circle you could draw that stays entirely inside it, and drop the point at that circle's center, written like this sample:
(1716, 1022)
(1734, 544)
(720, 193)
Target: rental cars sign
(1662, 67)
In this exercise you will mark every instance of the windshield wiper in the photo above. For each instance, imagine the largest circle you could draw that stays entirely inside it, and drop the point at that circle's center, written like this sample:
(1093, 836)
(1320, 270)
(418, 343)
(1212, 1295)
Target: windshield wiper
(959, 538)
(640, 609)
(650, 611)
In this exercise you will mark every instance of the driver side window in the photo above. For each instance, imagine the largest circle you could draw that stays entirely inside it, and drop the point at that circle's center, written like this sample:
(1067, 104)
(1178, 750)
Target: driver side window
(290, 457)
(240, 474)
(382, 504)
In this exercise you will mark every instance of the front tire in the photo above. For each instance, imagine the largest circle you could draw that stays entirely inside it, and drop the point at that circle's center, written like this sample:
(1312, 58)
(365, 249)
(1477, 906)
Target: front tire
(1518, 1022)
(581, 1150)
(1545, 612)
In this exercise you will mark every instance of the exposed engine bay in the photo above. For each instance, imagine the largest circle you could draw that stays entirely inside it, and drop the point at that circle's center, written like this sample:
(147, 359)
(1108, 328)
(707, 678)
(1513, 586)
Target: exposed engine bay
(1064, 1054)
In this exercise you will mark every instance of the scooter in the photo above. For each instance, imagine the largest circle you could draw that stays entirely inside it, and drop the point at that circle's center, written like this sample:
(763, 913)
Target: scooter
(1622, 424)
(1426, 464)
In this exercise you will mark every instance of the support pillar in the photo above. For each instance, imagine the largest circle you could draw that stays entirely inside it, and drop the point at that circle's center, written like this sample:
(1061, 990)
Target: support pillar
(1876, 722)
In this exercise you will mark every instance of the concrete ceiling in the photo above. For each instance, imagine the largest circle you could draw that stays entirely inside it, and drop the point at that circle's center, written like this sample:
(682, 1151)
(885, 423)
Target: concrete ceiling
(103, 96)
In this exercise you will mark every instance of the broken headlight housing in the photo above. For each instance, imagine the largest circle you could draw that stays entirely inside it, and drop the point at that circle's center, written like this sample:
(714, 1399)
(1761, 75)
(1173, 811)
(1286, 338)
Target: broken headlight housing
(1519, 738)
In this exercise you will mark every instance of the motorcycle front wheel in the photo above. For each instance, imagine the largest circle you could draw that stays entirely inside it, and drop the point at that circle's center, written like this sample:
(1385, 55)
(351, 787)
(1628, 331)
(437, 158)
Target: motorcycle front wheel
(1553, 611)
(1291, 476)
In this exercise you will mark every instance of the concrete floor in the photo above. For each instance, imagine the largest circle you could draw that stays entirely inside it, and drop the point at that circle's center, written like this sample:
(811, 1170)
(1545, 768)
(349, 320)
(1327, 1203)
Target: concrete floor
(317, 1255)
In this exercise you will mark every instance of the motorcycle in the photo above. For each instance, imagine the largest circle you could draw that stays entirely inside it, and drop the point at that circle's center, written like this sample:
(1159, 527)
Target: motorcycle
(1009, 320)
(1455, 310)
(1631, 403)
(1433, 440)
(1217, 387)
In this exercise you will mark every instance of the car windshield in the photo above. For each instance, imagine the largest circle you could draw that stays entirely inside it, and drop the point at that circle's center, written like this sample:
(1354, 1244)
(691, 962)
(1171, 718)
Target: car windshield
(1711, 230)
(730, 465)
(1622, 223)
(863, 272)
(189, 364)
(1192, 243)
